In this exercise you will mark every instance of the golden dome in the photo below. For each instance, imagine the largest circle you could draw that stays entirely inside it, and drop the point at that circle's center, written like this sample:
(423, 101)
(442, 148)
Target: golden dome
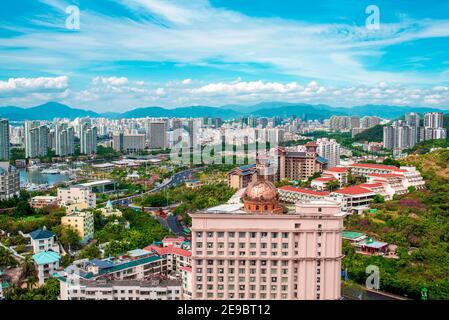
(261, 190)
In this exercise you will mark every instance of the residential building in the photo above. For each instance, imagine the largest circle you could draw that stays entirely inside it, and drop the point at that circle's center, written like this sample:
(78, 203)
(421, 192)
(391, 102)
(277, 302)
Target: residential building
(176, 257)
(9, 181)
(339, 173)
(294, 165)
(353, 199)
(47, 262)
(75, 195)
(64, 140)
(259, 250)
(128, 143)
(40, 202)
(155, 289)
(240, 177)
(88, 139)
(329, 149)
(36, 139)
(109, 210)
(433, 120)
(157, 134)
(293, 194)
(4, 140)
(82, 222)
(43, 240)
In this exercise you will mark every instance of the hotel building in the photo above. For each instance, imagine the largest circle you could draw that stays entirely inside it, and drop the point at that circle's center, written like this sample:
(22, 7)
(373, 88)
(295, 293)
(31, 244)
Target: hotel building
(260, 250)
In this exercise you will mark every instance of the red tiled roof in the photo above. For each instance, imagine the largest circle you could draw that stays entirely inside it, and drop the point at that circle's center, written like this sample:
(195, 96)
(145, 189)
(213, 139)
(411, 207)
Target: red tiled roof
(337, 169)
(377, 166)
(168, 250)
(311, 144)
(325, 179)
(188, 269)
(353, 190)
(371, 185)
(173, 239)
(307, 191)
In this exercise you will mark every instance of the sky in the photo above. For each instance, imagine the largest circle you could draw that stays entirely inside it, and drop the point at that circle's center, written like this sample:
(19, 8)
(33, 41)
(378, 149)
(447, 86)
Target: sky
(125, 54)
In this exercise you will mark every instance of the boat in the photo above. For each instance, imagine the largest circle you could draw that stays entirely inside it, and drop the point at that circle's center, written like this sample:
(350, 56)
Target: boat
(50, 171)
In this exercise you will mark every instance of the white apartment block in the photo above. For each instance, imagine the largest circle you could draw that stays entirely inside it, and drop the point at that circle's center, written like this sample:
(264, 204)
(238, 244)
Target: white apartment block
(330, 150)
(76, 195)
(9, 181)
(121, 290)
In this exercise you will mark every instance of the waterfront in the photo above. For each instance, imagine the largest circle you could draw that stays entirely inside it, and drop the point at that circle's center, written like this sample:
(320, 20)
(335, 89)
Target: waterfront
(39, 178)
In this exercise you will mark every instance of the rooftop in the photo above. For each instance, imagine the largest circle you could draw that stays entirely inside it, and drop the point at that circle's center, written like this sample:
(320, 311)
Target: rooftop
(41, 234)
(46, 257)
(352, 235)
(337, 169)
(307, 191)
(353, 190)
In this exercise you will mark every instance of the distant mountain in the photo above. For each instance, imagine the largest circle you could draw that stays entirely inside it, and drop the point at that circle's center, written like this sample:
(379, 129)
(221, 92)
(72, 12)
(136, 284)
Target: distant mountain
(185, 112)
(47, 111)
(53, 110)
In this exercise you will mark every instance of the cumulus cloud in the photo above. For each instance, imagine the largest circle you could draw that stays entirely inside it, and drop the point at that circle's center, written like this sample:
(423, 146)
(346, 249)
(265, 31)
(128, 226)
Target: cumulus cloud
(113, 81)
(33, 84)
(187, 81)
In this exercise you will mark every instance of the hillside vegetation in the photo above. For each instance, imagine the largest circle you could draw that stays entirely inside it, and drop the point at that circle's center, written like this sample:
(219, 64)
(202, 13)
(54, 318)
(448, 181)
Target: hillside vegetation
(418, 223)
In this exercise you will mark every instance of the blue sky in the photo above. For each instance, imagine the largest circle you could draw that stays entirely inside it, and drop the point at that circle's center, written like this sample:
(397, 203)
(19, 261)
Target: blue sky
(133, 53)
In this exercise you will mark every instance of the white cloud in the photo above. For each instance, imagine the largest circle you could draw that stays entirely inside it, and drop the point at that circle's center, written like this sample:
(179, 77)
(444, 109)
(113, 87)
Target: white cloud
(187, 81)
(113, 81)
(30, 84)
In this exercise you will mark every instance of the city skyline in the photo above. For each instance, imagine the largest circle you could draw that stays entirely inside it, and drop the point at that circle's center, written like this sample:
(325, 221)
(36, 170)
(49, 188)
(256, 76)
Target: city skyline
(138, 53)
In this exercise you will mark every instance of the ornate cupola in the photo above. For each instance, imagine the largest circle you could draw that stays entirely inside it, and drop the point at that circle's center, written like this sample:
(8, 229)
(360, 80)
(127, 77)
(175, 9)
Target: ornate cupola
(261, 197)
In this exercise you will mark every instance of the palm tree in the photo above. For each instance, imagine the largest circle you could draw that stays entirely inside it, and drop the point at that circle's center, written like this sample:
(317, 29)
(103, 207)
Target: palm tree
(31, 282)
(28, 268)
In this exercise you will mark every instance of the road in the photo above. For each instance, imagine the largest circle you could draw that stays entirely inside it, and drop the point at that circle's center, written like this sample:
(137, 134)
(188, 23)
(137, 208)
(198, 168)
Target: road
(174, 181)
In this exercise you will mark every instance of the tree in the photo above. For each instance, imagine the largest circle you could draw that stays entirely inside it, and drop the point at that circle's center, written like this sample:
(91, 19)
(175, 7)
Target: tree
(27, 268)
(411, 189)
(333, 185)
(378, 198)
(68, 236)
(6, 258)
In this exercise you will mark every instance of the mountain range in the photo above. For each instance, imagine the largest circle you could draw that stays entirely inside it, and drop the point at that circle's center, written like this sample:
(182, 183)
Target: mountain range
(51, 110)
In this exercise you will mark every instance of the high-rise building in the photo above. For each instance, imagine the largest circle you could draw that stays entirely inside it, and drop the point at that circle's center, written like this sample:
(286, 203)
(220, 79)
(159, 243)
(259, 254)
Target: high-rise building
(36, 139)
(4, 140)
(297, 165)
(157, 132)
(399, 136)
(129, 143)
(433, 120)
(261, 250)
(64, 140)
(88, 139)
(330, 150)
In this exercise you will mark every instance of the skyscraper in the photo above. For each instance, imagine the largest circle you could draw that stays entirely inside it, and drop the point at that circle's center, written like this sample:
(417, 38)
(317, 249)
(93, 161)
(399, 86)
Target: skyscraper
(88, 139)
(64, 140)
(157, 132)
(4, 140)
(36, 139)
(433, 120)
(330, 150)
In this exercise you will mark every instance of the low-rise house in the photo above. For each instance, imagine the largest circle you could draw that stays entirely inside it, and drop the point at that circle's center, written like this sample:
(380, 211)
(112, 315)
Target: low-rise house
(321, 183)
(109, 210)
(43, 240)
(47, 263)
(193, 184)
(365, 244)
(40, 202)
